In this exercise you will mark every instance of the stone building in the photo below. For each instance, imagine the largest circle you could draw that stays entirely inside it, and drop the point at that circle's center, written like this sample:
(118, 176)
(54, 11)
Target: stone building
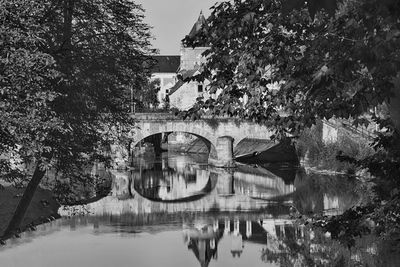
(165, 70)
(174, 70)
(183, 94)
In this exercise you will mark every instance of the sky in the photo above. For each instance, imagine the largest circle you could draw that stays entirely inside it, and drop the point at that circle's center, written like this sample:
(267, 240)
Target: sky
(172, 20)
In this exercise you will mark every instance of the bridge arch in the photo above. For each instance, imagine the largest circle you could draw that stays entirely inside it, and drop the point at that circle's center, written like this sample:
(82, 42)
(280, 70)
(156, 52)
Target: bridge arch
(223, 133)
(207, 142)
(212, 152)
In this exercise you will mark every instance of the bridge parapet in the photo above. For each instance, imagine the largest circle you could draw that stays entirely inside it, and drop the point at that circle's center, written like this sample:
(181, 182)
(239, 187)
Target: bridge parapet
(148, 116)
(222, 133)
(167, 116)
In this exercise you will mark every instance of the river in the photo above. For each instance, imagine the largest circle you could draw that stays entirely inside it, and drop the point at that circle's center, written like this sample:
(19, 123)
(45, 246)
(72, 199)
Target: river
(178, 211)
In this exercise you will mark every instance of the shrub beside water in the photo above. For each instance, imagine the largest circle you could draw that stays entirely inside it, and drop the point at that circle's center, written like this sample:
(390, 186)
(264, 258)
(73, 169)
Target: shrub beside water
(316, 153)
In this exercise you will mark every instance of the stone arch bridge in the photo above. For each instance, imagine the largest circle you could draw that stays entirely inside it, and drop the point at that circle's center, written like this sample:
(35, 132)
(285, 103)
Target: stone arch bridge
(220, 134)
(229, 191)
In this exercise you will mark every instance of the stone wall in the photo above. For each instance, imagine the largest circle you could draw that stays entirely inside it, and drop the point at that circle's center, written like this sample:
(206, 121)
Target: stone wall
(191, 58)
(333, 130)
(185, 97)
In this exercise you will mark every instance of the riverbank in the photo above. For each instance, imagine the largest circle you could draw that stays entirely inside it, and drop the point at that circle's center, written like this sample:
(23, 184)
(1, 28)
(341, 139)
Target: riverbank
(42, 208)
(323, 155)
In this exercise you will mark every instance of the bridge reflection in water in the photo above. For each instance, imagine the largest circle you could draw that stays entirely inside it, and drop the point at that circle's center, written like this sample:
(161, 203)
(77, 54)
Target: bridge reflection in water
(241, 214)
(212, 206)
(181, 184)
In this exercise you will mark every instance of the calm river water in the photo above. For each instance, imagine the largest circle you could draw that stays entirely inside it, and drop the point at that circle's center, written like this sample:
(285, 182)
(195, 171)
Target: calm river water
(178, 211)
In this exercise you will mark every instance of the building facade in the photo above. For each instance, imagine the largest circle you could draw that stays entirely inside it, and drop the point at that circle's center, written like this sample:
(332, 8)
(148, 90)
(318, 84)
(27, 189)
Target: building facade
(184, 93)
(165, 70)
(174, 71)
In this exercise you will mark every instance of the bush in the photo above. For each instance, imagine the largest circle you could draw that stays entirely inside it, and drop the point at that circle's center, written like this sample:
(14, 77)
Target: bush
(316, 153)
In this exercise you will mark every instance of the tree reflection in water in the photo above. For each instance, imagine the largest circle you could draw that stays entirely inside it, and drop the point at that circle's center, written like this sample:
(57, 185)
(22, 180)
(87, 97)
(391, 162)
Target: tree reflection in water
(234, 211)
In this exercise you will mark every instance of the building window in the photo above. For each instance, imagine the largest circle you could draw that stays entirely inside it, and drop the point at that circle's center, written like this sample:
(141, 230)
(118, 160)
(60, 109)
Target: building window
(199, 88)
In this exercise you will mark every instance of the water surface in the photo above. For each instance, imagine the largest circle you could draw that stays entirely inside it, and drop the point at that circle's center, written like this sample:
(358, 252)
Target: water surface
(178, 211)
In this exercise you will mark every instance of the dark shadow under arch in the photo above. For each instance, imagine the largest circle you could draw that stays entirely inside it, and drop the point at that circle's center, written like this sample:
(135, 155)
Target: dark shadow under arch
(212, 152)
(252, 150)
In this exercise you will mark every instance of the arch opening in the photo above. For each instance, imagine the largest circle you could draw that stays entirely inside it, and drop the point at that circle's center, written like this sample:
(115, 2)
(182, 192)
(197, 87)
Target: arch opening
(183, 142)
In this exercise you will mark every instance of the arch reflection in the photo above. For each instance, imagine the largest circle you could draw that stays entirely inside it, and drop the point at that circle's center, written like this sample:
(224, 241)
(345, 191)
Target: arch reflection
(177, 179)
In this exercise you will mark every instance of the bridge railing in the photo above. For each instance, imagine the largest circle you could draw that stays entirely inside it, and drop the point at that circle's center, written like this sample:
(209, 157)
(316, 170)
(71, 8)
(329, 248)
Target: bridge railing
(153, 116)
(170, 115)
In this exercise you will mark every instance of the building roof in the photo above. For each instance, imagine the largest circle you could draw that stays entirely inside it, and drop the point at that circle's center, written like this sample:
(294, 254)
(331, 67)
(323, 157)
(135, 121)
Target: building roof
(166, 64)
(201, 20)
(182, 80)
(188, 73)
(176, 86)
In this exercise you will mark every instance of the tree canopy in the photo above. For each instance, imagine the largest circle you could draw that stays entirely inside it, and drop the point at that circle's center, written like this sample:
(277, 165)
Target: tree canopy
(288, 64)
(294, 68)
(65, 67)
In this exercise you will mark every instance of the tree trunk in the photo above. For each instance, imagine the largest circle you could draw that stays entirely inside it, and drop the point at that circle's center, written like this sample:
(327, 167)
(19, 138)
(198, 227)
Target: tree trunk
(66, 42)
(68, 9)
(23, 204)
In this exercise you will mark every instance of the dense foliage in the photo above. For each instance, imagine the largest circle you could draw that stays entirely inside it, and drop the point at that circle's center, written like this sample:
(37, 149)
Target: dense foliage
(27, 76)
(289, 64)
(148, 98)
(65, 67)
(294, 69)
